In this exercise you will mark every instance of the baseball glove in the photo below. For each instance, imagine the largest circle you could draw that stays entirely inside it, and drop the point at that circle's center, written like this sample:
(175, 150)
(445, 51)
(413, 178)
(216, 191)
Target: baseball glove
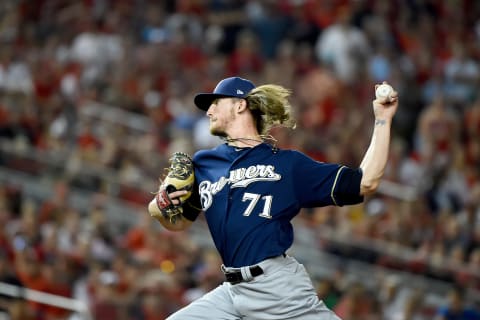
(180, 176)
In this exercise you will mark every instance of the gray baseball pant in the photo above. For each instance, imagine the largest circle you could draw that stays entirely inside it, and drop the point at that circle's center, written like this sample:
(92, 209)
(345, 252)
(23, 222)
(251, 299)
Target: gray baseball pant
(284, 291)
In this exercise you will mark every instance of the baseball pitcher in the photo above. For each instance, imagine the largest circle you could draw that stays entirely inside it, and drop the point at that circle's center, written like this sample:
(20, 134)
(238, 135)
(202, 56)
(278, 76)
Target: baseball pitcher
(250, 190)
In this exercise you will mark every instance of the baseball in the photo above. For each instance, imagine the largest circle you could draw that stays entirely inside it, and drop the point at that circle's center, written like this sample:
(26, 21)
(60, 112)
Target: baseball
(383, 91)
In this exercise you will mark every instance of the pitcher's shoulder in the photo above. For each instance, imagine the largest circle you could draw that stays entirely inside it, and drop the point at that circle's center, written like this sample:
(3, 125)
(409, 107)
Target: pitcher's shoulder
(217, 151)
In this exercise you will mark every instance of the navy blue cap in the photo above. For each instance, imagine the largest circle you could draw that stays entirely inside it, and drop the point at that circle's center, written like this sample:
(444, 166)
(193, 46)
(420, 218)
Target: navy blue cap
(234, 87)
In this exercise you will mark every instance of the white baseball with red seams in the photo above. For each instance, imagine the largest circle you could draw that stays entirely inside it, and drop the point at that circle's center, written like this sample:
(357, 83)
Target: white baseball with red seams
(383, 91)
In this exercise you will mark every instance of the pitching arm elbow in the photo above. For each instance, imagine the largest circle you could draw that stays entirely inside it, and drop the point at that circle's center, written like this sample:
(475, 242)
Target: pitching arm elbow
(368, 186)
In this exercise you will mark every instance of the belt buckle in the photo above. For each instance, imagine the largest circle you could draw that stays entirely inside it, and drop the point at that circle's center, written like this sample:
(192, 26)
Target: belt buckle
(232, 276)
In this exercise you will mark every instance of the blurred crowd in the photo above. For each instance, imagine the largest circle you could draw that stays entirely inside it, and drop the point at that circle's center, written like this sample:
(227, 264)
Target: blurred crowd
(64, 64)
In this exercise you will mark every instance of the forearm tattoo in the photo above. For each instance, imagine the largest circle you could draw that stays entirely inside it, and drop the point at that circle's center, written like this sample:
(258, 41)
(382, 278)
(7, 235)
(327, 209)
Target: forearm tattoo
(380, 122)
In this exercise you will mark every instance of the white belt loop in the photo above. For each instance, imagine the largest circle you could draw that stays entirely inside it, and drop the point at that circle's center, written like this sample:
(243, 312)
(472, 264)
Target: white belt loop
(246, 274)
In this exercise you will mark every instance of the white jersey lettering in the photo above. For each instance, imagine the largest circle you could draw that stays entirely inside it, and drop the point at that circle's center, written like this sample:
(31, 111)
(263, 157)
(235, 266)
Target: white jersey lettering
(237, 178)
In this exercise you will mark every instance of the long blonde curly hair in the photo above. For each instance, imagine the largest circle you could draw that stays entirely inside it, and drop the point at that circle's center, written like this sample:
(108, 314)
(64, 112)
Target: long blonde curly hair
(270, 107)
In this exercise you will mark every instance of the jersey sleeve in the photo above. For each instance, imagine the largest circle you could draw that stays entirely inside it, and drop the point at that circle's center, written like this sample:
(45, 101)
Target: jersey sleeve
(192, 207)
(321, 184)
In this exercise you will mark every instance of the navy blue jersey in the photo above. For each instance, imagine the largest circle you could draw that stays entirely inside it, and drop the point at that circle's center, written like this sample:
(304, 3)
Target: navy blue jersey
(250, 195)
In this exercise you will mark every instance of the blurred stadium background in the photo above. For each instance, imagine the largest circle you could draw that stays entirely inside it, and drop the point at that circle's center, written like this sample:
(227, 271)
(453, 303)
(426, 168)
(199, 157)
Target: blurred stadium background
(96, 94)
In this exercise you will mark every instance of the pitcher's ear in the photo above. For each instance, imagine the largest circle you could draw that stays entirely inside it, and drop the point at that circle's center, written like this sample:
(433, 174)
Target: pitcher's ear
(241, 105)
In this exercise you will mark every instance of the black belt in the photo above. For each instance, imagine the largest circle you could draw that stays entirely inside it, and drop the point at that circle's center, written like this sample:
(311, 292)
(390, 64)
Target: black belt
(235, 277)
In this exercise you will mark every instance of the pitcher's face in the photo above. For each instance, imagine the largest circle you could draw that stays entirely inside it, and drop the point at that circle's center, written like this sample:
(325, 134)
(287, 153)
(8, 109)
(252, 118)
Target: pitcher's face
(222, 116)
